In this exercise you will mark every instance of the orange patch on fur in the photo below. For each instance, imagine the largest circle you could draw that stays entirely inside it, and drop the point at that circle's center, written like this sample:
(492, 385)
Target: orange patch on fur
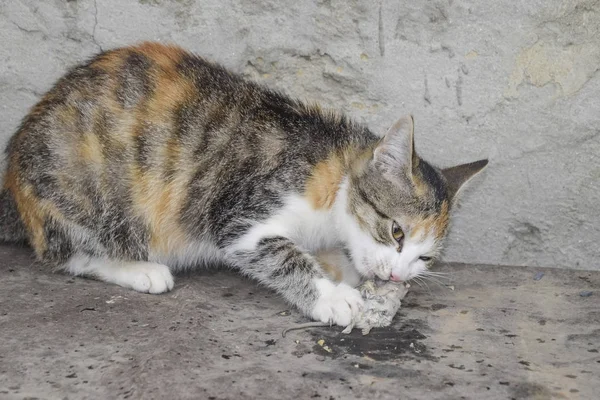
(160, 203)
(111, 61)
(90, 149)
(326, 260)
(166, 56)
(323, 184)
(122, 134)
(162, 211)
(29, 210)
(165, 232)
(437, 223)
(333, 271)
(34, 211)
(170, 92)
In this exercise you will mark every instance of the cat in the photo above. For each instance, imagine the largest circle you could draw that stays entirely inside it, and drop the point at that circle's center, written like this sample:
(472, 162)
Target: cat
(149, 159)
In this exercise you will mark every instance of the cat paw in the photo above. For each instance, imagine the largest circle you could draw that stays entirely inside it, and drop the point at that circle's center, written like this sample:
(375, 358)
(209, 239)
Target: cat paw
(146, 277)
(337, 304)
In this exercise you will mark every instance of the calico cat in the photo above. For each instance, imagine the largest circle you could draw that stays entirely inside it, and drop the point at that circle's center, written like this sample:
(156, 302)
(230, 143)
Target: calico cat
(149, 159)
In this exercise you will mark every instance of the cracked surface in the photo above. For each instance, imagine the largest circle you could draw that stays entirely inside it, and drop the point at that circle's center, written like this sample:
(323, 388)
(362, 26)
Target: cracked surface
(499, 334)
(516, 82)
(95, 26)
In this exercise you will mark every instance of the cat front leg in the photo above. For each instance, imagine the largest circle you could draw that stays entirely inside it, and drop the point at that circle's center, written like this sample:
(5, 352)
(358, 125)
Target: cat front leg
(279, 263)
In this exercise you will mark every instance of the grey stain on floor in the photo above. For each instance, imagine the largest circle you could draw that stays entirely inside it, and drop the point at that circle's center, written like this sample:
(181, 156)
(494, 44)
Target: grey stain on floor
(401, 341)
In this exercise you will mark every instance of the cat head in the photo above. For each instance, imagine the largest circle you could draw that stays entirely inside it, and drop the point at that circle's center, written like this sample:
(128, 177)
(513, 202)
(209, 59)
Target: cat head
(399, 206)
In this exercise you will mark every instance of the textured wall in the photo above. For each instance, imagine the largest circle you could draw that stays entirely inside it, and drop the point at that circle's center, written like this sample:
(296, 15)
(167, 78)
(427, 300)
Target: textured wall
(513, 80)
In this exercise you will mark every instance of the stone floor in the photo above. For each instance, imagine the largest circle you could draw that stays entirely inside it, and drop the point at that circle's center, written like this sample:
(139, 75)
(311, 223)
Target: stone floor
(496, 333)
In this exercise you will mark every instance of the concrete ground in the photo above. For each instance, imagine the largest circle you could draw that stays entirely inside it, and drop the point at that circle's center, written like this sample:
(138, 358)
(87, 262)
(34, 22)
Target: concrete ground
(500, 334)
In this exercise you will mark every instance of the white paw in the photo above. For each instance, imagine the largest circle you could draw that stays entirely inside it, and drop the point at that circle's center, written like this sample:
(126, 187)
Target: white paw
(146, 277)
(338, 304)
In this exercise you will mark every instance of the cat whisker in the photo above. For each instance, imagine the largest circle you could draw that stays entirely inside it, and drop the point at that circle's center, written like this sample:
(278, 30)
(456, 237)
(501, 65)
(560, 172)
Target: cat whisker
(421, 282)
(438, 281)
(439, 277)
(436, 273)
(433, 280)
(417, 282)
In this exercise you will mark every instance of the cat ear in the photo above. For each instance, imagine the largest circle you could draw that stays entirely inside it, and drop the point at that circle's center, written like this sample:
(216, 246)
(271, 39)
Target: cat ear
(396, 151)
(457, 176)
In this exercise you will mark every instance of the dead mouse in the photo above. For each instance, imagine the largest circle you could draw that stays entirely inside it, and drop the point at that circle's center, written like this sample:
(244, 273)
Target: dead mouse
(382, 302)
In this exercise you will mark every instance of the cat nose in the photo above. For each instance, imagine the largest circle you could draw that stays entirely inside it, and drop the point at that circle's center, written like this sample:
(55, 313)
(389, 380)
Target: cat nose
(395, 278)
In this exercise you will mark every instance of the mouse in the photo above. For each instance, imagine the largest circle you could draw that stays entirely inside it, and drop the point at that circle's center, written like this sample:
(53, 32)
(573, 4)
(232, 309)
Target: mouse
(382, 302)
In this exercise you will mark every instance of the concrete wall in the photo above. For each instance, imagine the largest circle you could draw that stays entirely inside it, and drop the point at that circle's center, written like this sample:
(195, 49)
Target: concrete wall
(516, 81)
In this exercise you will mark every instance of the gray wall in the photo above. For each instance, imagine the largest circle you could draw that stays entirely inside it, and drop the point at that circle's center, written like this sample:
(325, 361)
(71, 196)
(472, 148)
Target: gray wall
(515, 81)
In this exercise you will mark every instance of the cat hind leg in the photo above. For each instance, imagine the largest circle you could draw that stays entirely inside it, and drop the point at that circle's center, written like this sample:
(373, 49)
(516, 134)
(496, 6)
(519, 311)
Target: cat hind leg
(141, 276)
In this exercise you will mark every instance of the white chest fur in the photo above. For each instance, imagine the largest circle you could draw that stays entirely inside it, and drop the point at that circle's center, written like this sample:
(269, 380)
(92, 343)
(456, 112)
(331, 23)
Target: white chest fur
(310, 229)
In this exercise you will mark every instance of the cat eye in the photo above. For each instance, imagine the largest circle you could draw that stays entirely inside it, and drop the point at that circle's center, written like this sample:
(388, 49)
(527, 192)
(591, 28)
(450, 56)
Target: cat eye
(425, 258)
(397, 233)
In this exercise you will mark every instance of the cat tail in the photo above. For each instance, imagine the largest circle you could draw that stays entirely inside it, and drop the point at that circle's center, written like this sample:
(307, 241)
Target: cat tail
(11, 226)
